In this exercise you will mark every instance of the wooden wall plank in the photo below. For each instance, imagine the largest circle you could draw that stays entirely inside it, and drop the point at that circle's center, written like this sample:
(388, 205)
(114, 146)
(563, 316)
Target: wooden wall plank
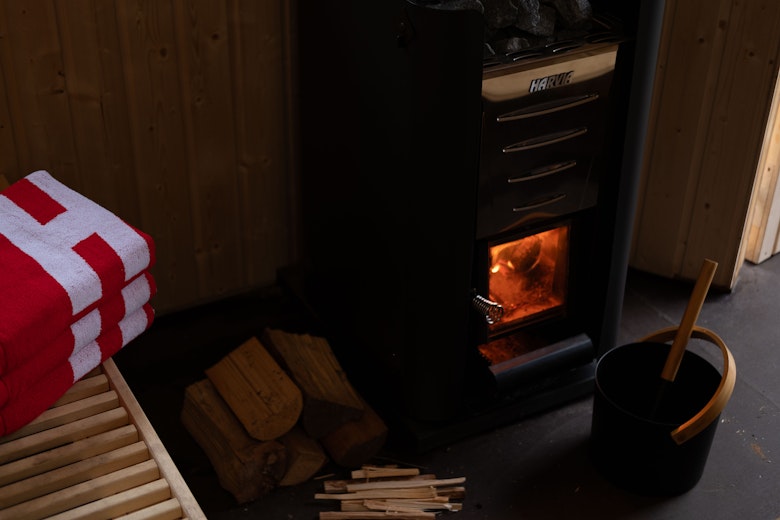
(712, 105)
(150, 59)
(174, 114)
(262, 139)
(208, 109)
(9, 165)
(82, 35)
(764, 220)
(93, 71)
(688, 65)
(115, 118)
(44, 110)
(734, 138)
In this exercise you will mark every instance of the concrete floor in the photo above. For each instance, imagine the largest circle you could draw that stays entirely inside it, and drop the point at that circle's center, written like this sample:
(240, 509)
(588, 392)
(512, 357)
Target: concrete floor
(536, 468)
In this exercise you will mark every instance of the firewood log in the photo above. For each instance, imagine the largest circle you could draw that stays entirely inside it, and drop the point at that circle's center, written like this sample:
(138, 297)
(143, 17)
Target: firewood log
(305, 457)
(354, 443)
(329, 398)
(245, 467)
(260, 393)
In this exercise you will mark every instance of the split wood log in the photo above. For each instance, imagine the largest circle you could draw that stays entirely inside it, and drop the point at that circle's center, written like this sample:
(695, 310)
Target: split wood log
(260, 393)
(329, 398)
(401, 505)
(305, 457)
(340, 486)
(354, 443)
(245, 467)
(418, 493)
(407, 494)
(404, 484)
(373, 472)
(367, 515)
(452, 492)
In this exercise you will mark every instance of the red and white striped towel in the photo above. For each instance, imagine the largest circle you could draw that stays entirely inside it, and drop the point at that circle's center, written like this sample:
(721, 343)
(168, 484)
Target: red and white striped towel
(108, 314)
(62, 255)
(25, 407)
(20, 380)
(74, 290)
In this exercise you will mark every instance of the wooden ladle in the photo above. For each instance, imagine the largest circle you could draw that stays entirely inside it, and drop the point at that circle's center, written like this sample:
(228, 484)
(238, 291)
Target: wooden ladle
(683, 334)
(689, 318)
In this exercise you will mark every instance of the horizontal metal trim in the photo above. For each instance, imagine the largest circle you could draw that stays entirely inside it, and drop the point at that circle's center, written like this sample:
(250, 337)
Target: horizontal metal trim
(542, 171)
(547, 107)
(545, 140)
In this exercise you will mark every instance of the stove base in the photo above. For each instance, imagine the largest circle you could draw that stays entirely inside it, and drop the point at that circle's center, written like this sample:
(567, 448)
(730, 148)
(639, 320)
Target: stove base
(410, 435)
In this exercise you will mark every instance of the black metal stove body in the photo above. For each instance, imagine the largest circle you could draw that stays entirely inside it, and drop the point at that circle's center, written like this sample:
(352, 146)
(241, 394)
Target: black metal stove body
(420, 161)
(543, 164)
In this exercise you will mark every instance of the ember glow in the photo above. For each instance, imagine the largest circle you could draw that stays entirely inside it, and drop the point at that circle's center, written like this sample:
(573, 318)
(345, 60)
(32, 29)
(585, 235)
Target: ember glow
(528, 276)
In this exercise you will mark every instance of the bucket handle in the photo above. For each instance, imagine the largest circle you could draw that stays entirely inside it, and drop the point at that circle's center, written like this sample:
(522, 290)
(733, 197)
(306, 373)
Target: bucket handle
(715, 406)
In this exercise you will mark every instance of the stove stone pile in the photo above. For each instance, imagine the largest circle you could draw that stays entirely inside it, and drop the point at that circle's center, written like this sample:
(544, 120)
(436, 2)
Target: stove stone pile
(515, 25)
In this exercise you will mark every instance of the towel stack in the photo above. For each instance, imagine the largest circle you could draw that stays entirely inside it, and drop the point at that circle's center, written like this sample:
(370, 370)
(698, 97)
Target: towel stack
(74, 289)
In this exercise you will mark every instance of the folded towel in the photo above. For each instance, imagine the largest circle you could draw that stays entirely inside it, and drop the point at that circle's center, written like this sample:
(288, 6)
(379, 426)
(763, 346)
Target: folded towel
(37, 347)
(18, 380)
(62, 254)
(25, 407)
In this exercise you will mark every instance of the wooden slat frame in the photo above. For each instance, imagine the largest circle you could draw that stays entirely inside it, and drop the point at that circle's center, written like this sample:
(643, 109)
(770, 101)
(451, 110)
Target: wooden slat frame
(81, 460)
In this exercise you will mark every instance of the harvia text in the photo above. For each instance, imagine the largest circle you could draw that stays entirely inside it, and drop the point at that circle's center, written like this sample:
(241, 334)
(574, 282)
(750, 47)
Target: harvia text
(548, 82)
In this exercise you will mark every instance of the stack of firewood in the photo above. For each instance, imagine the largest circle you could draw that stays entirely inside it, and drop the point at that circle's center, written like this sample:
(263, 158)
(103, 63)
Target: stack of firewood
(272, 413)
(391, 492)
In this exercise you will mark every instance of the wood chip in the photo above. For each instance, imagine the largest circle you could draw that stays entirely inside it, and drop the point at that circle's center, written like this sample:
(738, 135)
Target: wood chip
(382, 472)
(389, 497)
(404, 484)
(340, 486)
(403, 505)
(427, 492)
(368, 515)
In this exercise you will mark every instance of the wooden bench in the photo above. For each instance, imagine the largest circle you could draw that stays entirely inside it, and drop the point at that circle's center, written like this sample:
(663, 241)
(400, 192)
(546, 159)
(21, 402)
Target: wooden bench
(93, 454)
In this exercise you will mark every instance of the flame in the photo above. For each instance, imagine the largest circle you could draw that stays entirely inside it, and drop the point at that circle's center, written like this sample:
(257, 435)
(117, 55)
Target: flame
(528, 275)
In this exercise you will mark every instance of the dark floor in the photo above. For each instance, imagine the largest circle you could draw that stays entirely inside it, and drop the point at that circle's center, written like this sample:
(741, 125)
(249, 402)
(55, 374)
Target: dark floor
(536, 468)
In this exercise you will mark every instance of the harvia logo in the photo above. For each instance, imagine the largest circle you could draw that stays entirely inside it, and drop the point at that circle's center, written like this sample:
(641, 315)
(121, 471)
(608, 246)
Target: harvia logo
(548, 82)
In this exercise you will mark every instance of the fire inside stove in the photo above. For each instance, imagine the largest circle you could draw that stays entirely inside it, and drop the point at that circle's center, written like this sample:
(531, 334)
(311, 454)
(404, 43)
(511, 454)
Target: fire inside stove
(528, 277)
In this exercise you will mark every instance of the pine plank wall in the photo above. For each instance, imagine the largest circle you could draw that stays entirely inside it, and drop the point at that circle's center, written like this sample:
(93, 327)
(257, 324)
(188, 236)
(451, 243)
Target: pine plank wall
(717, 69)
(174, 114)
(179, 116)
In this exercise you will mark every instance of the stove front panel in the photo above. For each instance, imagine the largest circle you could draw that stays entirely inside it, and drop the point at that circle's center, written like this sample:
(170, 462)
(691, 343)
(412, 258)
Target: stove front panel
(541, 165)
(543, 131)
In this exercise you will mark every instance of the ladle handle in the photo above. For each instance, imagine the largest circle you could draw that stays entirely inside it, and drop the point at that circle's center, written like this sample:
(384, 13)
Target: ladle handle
(717, 403)
(690, 316)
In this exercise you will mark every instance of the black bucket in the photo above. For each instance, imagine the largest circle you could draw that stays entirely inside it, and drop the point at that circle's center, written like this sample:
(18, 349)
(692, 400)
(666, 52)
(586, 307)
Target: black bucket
(653, 437)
